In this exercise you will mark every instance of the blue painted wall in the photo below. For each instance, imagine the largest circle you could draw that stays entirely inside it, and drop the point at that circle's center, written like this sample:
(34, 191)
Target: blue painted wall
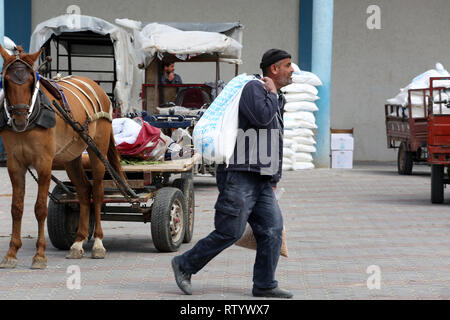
(305, 33)
(18, 22)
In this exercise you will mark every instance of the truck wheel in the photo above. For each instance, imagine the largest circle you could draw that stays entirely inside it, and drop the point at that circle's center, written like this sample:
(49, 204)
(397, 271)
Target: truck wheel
(437, 183)
(186, 185)
(168, 219)
(404, 160)
(62, 222)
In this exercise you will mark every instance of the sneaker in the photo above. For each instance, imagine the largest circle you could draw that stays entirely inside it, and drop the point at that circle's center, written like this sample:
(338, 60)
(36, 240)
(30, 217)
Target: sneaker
(272, 293)
(182, 278)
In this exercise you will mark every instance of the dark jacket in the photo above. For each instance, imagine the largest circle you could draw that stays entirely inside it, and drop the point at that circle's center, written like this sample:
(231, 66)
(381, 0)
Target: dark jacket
(259, 145)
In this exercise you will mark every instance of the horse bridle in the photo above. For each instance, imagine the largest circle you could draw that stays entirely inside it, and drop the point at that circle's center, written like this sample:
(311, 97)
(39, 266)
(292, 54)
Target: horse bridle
(19, 71)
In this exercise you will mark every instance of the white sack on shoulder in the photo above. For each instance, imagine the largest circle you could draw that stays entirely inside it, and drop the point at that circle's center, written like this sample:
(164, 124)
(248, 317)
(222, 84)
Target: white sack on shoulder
(215, 133)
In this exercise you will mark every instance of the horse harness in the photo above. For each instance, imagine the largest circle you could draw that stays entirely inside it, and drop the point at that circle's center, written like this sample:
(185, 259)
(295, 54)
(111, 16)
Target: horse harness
(40, 111)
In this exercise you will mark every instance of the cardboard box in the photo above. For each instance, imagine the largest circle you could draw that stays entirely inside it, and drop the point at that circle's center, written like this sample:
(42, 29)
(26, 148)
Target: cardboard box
(342, 159)
(342, 141)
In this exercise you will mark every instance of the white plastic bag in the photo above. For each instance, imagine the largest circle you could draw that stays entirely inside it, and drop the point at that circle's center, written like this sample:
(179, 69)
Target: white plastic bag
(215, 133)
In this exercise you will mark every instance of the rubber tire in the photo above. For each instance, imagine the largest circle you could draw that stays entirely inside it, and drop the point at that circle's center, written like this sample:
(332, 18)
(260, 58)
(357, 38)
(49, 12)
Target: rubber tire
(186, 185)
(62, 222)
(437, 183)
(404, 160)
(160, 220)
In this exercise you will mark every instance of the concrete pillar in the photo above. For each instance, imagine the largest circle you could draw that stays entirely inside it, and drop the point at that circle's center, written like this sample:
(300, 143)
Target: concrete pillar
(321, 61)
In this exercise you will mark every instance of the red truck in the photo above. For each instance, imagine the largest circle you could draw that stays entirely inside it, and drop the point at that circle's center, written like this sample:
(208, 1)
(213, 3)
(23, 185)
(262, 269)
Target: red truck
(439, 139)
(408, 133)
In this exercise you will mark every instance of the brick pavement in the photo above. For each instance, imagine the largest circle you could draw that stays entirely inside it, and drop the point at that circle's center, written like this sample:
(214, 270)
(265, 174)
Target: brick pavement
(338, 222)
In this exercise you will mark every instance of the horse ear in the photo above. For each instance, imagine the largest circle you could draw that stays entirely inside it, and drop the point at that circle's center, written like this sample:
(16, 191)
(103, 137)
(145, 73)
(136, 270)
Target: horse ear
(5, 55)
(35, 56)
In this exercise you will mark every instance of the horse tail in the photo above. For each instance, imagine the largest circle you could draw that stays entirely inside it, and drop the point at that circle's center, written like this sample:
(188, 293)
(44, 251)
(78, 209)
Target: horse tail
(114, 157)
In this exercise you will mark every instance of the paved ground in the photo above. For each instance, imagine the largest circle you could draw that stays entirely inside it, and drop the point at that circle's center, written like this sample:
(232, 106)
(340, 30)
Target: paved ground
(339, 223)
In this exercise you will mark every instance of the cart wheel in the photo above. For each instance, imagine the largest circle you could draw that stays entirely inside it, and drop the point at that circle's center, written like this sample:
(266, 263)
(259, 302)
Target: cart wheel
(62, 222)
(404, 160)
(437, 183)
(168, 219)
(186, 185)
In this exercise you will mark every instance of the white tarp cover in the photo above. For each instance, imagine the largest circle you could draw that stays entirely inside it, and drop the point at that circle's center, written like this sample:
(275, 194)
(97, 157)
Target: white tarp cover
(155, 38)
(126, 94)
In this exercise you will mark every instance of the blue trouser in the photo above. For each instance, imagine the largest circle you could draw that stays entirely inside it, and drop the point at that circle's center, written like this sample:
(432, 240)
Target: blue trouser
(243, 196)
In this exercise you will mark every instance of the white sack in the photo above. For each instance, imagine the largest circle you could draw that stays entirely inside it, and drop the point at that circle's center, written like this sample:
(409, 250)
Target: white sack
(288, 152)
(303, 132)
(296, 124)
(302, 166)
(288, 142)
(300, 88)
(216, 132)
(294, 97)
(306, 77)
(302, 157)
(301, 115)
(303, 148)
(304, 140)
(300, 106)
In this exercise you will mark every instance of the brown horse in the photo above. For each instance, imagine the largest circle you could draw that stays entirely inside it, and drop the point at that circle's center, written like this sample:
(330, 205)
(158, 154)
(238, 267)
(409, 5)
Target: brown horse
(27, 145)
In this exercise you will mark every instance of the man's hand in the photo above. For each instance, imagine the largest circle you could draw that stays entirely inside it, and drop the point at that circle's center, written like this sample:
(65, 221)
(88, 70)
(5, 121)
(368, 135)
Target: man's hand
(269, 85)
(171, 76)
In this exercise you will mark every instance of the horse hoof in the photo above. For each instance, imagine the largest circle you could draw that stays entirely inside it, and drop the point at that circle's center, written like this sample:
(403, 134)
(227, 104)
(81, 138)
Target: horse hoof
(75, 254)
(98, 253)
(39, 263)
(8, 263)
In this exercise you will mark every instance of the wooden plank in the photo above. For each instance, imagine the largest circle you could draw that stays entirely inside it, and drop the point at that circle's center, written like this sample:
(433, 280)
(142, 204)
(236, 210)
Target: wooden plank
(179, 165)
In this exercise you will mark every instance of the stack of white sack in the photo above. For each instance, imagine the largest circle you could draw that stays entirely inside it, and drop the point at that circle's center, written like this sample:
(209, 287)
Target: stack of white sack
(417, 97)
(299, 120)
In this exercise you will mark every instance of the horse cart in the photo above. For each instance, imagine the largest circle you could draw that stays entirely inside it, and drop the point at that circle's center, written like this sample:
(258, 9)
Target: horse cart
(170, 209)
(406, 131)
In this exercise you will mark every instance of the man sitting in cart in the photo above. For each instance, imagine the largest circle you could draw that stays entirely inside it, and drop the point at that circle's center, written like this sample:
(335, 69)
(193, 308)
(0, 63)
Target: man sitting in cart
(169, 76)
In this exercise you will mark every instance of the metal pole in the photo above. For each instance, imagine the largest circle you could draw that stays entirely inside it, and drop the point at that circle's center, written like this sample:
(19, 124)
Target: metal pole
(321, 63)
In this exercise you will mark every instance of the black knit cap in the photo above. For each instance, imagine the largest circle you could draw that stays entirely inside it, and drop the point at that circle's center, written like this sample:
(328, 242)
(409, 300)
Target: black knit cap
(272, 56)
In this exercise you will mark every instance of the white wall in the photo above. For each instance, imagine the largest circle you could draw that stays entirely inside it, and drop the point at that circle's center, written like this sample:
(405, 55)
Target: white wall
(370, 66)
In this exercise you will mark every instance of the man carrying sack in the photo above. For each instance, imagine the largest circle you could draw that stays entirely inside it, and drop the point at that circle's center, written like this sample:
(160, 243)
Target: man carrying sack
(246, 186)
